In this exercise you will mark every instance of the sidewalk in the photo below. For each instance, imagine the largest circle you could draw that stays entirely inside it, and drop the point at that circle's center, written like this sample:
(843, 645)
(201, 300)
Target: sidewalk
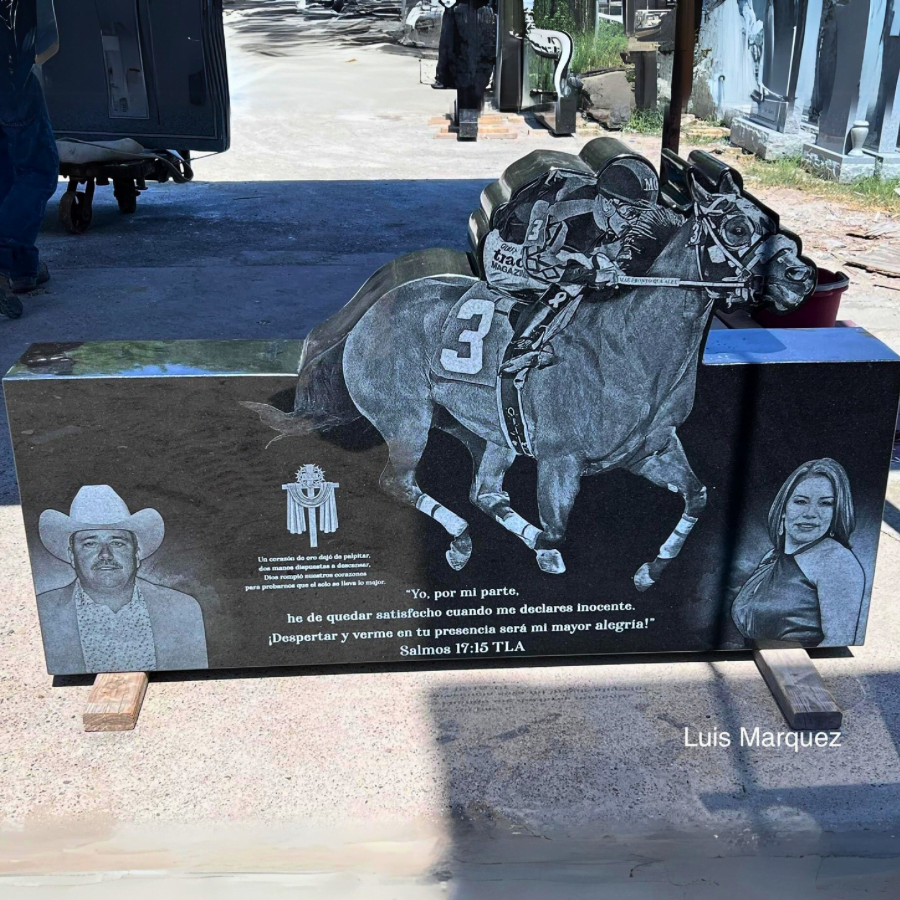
(565, 781)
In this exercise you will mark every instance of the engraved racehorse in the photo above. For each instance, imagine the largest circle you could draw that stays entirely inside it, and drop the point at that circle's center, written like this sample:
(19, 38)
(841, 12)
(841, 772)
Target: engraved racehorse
(622, 383)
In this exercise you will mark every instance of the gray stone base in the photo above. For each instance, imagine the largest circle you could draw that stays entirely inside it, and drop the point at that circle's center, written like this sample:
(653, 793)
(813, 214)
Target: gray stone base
(887, 165)
(836, 166)
(766, 143)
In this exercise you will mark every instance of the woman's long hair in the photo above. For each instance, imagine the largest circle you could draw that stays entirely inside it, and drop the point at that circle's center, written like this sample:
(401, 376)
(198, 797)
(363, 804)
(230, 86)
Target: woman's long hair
(843, 519)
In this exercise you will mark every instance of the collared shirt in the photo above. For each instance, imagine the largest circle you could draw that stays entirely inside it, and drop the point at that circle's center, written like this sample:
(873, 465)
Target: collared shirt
(115, 641)
(46, 36)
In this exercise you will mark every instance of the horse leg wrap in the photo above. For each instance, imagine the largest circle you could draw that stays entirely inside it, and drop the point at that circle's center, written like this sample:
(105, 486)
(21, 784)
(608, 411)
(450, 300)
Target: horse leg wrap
(672, 547)
(649, 573)
(496, 505)
(451, 522)
(521, 528)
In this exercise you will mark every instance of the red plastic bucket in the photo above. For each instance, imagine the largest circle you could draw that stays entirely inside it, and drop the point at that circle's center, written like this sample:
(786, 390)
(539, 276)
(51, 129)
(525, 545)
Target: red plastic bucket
(818, 311)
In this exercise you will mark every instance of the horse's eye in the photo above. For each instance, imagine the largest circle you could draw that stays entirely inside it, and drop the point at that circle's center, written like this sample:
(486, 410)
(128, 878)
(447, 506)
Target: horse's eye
(736, 232)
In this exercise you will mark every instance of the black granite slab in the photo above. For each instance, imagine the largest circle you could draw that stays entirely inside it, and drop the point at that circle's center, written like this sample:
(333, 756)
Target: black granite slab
(161, 424)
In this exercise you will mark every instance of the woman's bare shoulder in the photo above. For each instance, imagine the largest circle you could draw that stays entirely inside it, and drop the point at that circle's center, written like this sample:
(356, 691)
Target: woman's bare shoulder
(829, 559)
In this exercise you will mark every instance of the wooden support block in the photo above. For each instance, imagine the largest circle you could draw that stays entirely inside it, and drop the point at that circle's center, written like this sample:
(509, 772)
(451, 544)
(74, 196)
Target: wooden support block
(115, 701)
(797, 686)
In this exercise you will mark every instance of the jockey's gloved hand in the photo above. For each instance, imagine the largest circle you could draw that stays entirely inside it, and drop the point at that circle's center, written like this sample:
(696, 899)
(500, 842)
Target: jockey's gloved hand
(607, 272)
(575, 273)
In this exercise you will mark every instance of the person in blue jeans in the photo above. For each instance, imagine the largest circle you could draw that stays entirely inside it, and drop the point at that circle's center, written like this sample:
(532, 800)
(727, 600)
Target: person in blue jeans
(29, 163)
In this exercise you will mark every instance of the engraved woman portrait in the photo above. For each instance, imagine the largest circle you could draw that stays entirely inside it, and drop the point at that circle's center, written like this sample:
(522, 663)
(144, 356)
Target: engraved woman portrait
(809, 587)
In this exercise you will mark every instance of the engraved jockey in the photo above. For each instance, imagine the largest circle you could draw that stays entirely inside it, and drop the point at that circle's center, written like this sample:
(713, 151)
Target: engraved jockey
(573, 243)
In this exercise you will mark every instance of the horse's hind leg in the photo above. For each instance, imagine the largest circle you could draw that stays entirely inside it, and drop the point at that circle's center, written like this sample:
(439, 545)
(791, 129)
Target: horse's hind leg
(406, 444)
(670, 469)
(492, 462)
(488, 494)
(559, 480)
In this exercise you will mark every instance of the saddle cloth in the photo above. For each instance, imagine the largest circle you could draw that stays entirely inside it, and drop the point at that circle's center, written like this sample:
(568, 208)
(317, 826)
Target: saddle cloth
(475, 341)
(474, 337)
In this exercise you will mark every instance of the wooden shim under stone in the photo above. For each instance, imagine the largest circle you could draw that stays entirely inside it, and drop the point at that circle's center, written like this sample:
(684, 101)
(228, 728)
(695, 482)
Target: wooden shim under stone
(797, 686)
(883, 261)
(115, 701)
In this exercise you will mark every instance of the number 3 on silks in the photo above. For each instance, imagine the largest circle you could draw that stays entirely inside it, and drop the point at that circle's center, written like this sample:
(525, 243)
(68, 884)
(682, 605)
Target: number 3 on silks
(471, 364)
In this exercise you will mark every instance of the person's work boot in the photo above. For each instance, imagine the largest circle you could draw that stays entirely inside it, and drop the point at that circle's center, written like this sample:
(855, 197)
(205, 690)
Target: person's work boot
(24, 284)
(10, 305)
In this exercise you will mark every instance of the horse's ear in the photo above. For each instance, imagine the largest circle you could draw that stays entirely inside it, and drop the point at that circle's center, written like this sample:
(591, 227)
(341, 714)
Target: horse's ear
(698, 192)
(727, 185)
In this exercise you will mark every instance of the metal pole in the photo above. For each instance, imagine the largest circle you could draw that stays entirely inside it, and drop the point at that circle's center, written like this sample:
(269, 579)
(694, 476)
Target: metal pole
(682, 72)
(628, 10)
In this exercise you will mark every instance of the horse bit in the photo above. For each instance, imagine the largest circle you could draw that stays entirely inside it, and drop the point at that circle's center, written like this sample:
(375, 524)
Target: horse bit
(742, 287)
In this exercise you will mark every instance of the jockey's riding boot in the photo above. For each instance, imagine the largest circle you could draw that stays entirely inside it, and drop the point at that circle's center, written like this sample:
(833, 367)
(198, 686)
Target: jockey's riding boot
(526, 349)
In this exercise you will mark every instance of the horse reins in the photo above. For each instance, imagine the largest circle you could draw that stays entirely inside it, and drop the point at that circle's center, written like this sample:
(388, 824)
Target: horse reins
(509, 389)
(743, 263)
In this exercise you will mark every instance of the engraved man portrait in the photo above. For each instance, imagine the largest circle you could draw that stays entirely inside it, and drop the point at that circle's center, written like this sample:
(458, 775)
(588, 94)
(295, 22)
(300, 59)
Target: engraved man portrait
(109, 618)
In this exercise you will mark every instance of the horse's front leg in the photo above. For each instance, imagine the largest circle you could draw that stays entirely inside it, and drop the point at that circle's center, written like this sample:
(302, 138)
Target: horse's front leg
(559, 480)
(670, 469)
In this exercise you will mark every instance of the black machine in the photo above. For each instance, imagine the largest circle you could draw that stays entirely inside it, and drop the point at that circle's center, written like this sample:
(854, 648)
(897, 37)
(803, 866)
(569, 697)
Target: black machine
(153, 71)
(519, 46)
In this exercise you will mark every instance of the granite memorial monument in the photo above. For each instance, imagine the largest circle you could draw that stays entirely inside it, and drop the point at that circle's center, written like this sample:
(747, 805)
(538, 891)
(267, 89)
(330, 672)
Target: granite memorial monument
(540, 448)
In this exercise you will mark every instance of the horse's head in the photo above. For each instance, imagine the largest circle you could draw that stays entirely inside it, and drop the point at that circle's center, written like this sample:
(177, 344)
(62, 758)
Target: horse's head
(739, 240)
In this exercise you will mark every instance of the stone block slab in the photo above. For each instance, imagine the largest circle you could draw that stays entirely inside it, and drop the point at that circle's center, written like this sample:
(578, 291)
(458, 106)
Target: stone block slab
(248, 552)
(765, 142)
(887, 165)
(838, 167)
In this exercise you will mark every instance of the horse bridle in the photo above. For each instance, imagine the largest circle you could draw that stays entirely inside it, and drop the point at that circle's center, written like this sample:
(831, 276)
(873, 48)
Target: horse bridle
(743, 263)
(743, 286)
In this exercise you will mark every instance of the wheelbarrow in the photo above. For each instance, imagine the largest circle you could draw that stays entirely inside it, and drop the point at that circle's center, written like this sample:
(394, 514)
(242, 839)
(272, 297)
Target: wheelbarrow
(128, 178)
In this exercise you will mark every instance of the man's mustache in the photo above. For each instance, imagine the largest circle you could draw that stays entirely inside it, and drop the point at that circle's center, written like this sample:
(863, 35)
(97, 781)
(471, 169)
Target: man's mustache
(106, 564)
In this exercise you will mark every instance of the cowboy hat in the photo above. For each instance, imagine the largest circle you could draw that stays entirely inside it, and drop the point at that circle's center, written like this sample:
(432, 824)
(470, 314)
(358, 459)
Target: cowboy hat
(99, 506)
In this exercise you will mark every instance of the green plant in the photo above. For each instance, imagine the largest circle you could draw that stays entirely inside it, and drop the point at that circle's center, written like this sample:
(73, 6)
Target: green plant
(872, 192)
(590, 51)
(554, 14)
(603, 52)
(646, 121)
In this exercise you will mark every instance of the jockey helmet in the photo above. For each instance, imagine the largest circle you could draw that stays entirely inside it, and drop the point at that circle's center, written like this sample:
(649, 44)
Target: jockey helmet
(631, 180)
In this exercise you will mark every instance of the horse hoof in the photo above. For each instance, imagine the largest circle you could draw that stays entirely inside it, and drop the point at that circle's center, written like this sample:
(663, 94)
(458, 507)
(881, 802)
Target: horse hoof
(460, 551)
(551, 561)
(642, 579)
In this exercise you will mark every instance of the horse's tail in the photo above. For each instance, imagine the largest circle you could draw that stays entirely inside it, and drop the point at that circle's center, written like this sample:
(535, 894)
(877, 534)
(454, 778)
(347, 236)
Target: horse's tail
(322, 400)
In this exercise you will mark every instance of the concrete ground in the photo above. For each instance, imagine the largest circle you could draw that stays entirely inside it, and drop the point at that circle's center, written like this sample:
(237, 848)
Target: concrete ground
(566, 781)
